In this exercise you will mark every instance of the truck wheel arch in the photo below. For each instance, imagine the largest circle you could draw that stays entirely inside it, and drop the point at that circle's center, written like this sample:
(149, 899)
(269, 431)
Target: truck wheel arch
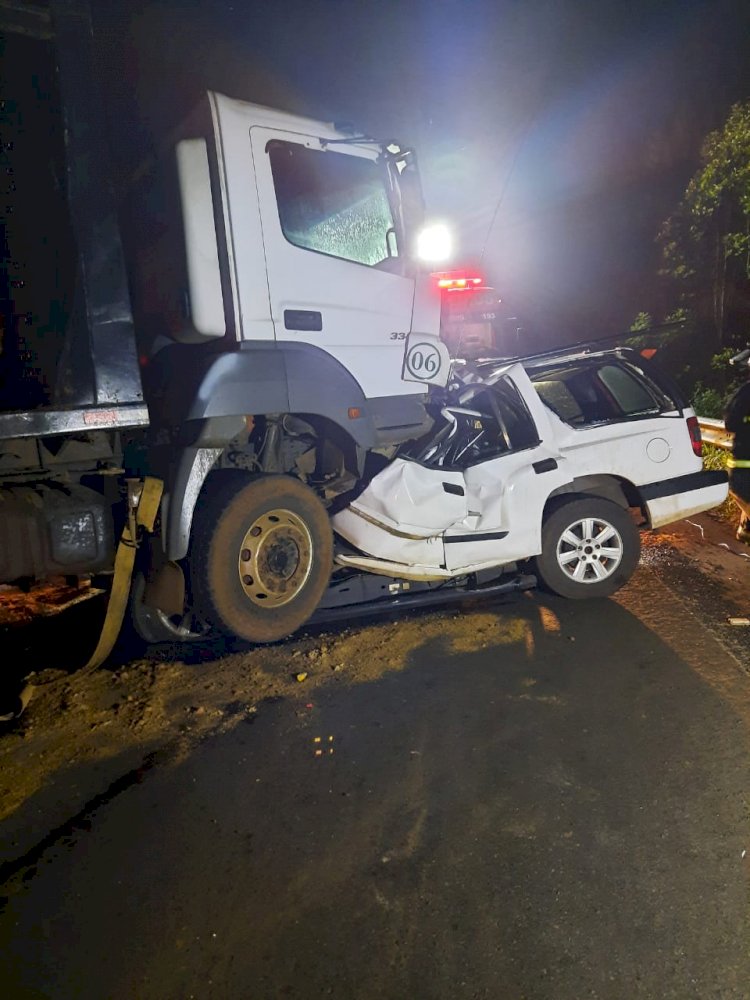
(197, 462)
(288, 378)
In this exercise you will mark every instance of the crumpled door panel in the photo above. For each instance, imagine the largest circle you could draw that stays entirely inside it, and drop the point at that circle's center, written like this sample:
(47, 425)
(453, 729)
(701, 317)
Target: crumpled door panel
(415, 499)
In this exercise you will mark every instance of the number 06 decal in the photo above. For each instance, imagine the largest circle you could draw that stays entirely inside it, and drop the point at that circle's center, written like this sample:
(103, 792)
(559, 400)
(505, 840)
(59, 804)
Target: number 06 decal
(423, 361)
(426, 359)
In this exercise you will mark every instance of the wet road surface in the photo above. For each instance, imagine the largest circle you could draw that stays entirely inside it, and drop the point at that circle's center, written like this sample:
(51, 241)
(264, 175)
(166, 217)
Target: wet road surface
(560, 812)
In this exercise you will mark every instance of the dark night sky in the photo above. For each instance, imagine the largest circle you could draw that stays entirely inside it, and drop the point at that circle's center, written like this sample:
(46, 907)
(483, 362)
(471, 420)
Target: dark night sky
(588, 114)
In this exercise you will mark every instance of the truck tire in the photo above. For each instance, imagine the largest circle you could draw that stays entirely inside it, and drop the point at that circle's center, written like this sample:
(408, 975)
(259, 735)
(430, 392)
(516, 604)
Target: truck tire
(590, 548)
(261, 555)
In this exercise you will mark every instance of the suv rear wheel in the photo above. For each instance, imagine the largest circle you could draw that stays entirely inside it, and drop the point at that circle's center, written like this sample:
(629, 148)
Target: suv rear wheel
(590, 548)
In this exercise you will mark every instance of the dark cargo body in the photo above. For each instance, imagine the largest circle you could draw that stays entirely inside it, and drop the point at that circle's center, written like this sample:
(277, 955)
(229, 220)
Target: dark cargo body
(69, 376)
(69, 360)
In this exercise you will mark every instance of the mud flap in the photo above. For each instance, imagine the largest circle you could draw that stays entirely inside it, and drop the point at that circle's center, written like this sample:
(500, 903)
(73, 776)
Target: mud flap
(144, 517)
(165, 588)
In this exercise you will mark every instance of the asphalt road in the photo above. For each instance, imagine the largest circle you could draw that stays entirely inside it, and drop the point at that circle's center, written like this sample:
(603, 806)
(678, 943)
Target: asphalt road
(563, 814)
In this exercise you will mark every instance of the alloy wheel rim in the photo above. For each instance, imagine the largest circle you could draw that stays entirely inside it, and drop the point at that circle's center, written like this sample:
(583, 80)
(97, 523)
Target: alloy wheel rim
(590, 550)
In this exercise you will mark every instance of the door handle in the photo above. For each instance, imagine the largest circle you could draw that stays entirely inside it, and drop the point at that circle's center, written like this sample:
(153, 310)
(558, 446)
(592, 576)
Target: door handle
(305, 320)
(545, 465)
(454, 488)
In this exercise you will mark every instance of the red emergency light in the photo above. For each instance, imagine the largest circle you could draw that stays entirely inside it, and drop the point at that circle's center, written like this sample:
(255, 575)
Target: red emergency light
(457, 281)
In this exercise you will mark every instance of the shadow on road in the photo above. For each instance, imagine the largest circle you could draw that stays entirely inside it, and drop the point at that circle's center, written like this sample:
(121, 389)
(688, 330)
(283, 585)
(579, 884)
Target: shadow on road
(540, 801)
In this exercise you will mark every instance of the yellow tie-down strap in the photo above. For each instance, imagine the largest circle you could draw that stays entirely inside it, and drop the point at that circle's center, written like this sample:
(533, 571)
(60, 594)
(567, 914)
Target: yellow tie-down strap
(738, 463)
(145, 516)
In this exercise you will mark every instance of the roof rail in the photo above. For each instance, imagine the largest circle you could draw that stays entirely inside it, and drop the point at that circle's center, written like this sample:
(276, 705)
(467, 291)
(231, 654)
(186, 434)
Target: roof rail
(583, 346)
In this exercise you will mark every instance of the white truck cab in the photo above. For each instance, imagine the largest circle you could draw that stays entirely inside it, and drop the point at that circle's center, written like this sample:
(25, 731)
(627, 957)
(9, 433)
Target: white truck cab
(316, 227)
(297, 233)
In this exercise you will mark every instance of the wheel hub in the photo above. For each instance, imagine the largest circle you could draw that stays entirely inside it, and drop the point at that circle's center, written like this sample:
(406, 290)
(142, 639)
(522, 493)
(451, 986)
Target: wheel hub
(590, 550)
(275, 558)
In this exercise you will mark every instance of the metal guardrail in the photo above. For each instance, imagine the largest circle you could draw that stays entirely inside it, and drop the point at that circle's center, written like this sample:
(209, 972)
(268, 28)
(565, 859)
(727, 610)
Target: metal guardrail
(714, 432)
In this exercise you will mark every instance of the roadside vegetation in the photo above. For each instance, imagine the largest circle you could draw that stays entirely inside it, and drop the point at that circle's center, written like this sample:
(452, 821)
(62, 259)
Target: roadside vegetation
(705, 272)
(716, 458)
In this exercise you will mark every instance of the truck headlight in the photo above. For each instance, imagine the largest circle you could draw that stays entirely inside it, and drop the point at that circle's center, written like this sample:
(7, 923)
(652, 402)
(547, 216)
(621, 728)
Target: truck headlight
(434, 243)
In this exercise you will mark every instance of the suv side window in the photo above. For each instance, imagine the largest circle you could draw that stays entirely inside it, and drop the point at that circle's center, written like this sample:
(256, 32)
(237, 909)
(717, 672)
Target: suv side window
(590, 393)
(631, 395)
(333, 203)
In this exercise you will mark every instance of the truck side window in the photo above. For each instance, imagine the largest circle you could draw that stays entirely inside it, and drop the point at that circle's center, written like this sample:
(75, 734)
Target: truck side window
(333, 203)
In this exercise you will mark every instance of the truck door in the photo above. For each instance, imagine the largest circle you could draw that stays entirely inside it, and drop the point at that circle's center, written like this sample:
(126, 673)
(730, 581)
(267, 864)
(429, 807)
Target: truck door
(334, 266)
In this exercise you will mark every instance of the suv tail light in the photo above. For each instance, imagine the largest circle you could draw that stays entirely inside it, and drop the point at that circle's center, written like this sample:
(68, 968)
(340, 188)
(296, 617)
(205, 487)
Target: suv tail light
(694, 431)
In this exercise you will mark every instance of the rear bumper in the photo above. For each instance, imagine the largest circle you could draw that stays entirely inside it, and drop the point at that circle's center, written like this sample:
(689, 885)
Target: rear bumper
(672, 499)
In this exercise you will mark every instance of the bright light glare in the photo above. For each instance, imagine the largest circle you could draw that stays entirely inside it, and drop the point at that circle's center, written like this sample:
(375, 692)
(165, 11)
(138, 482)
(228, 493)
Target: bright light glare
(435, 243)
(453, 281)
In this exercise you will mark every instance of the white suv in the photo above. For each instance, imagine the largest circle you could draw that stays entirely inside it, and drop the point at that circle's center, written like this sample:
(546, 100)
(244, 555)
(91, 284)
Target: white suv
(540, 460)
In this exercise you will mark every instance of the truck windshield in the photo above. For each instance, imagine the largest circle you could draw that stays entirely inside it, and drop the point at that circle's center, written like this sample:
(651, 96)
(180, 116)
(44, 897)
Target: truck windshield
(333, 203)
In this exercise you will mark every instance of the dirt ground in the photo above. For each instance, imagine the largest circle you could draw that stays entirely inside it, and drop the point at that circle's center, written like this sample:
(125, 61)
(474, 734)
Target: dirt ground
(115, 718)
(709, 541)
(174, 696)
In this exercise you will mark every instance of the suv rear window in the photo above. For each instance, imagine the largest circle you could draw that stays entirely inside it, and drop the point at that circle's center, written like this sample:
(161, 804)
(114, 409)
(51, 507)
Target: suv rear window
(582, 393)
